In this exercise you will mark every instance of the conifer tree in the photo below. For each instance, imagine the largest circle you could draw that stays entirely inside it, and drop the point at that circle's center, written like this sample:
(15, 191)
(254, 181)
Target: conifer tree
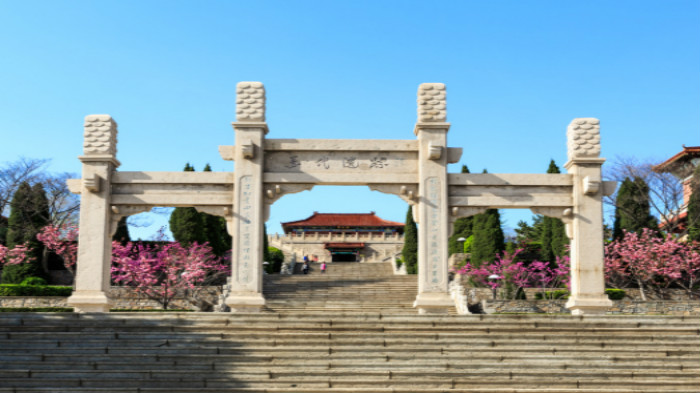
(694, 207)
(463, 227)
(186, 223)
(29, 212)
(410, 243)
(488, 236)
(632, 210)
(3, 230)
(553, 233)
(215, 230)
(121, 235)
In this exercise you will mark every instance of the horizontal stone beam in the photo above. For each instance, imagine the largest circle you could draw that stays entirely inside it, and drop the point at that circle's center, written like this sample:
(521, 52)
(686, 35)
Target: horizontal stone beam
(172, 178)
(175, 199)
(512, 202)
(339, 145)
(348, 179)
(508, 179)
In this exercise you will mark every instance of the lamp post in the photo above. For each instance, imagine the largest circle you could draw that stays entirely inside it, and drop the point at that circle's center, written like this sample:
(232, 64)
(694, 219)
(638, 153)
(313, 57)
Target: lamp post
(493, 278)
(461, 241)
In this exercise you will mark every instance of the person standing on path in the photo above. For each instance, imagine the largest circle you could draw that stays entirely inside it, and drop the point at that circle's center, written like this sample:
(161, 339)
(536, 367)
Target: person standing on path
(323, 267)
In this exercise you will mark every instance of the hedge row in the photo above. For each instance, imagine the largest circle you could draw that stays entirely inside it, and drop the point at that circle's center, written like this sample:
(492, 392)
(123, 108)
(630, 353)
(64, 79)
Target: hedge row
(36, 309)
(34, 290)
(613, 294)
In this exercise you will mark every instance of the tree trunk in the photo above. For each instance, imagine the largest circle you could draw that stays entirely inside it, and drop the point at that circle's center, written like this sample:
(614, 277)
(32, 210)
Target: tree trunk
(641, 290)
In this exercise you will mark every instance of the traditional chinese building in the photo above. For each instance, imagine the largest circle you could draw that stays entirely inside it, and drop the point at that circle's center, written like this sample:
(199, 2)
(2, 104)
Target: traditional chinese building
(682, 166)
(341, 237)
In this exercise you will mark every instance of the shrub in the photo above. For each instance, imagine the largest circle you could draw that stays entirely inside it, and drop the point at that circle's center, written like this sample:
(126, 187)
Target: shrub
(399, 262)
(615, 294)
(34, 281)
(36, 309)
(557, 294)
(34, 290)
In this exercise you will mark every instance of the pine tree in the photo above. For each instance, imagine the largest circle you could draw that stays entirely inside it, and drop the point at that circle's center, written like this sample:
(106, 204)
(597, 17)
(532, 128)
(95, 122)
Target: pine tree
(3, 230)
(29, 212)
(186, 223)
(121, 235)
(632, 210)
(694, 207)
(463, 227)
(410, 243)
(553, 233)
(215, 230)
(488, 236)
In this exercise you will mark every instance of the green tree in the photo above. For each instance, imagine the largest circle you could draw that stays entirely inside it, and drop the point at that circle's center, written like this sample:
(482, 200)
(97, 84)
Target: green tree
(488, 237)
(553, 238)
(186, 223)
(215, 230)
(3, 230)
(632, 210)
(410, 243)
(29, 212)
(694, 207)
(121, 235)
(463, 227)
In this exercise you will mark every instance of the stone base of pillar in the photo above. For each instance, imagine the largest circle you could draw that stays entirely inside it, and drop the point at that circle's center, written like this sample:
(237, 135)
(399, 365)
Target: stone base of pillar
(433, 303)
(588, 305)
(89, 301)
(245, 302)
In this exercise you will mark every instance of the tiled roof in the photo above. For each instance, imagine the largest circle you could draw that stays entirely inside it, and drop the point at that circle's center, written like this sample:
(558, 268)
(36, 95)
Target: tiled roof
(688, 151)
(342, 220)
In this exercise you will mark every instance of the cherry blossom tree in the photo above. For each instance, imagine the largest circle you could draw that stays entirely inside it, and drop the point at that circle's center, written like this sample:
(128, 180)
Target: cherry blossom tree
(163, 272)
(16, 255)
(653, 262)
(62, 240)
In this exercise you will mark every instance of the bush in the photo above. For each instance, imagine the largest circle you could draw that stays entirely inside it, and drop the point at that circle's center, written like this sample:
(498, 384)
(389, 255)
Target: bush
(558, 294)
(38, 290)
(36, 309)
(149, 310)
(399, 262)
(615, 294)
(33, 281)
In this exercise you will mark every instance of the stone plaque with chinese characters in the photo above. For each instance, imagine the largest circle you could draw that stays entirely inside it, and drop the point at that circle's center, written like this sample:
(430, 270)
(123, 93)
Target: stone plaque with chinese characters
(338, 161)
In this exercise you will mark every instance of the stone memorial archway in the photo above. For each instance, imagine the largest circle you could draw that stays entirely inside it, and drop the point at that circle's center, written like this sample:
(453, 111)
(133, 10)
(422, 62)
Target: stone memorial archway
(267, 169)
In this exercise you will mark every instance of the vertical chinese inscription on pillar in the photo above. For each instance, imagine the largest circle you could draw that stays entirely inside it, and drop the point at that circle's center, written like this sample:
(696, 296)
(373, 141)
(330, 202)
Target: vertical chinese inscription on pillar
(434, 277)
(246, 256)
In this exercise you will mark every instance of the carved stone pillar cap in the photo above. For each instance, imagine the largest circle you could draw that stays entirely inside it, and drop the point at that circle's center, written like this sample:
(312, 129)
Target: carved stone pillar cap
(583, 138)
(250, 101)
(432, 102)
(100, 135)
(100, 158)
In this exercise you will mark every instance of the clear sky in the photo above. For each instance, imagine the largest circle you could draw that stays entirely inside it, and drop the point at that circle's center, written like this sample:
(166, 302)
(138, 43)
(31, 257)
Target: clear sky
(517, 72)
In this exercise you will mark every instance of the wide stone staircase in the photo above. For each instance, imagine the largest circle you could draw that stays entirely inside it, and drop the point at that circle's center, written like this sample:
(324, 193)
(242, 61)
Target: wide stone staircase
(344, 287)
(351, 329)
(335, 352)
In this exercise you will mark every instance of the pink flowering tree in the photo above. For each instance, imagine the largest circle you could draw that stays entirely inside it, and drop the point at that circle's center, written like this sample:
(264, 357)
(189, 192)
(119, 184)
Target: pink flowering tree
(16, 255)
(62, 240)
(515, 275)
(163, 272)
(653, 262)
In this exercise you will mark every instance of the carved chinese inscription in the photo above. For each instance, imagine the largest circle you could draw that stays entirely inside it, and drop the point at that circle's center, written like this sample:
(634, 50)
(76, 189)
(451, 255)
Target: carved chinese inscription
(245, 231)
(432, 206)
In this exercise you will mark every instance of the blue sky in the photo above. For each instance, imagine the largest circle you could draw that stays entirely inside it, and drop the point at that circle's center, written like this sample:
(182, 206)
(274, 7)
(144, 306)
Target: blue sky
(517, 72)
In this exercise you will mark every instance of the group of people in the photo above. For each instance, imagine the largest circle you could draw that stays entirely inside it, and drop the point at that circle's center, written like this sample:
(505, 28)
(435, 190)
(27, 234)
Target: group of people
(305, 267)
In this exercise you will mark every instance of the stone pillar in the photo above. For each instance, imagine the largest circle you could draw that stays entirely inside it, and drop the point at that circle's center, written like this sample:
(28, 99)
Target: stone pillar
(248, 207)
(431, 130)
(587, 263)
(99, 160)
